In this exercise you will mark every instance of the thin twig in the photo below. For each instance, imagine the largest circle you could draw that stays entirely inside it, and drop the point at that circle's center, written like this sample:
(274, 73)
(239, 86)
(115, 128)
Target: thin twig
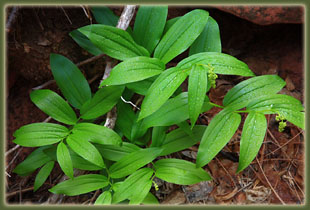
(277, 195)
(44, 85)
(280, 146)
(11, 19)
(129, 102)
(90, 60)
(233, 181)
(13, 159)
(107, 70)
(19, 191)
(87, 13)
(93, 78)
(94, 197)
(12, 150)
(47, 119)
(38, 19)
(66, 15)
(246, 186)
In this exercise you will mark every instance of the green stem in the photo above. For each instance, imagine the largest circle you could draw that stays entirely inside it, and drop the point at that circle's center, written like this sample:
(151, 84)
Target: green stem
(213, 104)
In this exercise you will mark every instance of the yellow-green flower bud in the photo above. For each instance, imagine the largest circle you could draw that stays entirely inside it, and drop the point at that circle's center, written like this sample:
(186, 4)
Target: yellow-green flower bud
(282, 125)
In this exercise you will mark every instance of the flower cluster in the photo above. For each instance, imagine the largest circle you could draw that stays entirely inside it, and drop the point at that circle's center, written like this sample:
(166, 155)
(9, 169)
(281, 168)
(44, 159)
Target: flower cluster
(212, 76)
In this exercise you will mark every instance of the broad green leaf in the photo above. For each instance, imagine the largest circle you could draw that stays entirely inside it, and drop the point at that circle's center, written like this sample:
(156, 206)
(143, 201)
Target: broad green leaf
(218, 133)
(150, 199)
(102, 102)
(97, 133)
(70, 80)
(64, 159)
(125, 118)
(84, 42)
(209, 40)
(113, 41)
(53, 105)
(115, 186)
(185, 127)
(158, 135)
(297, 118)
(178, 139)
(133, 161)
(160, 91)
(80, 185)
(39, 134)
(51, 152)
(252, 137)
(80, 163)
(104, 198)
(169, 23)
(269, 104)
(138, 129)
(133, 70)
(180, 172)
(175, 110)
(144, 139)
(141, 87)
(222, 63)
(285, 105)
(35, 160)
(149, 25)
(127, 94)
(141, 191)
(116, 153)
(250, 89)
(42, 175)
(104, 15)
(133, 185)
(181, 35)
(197, 89)
(85, 149)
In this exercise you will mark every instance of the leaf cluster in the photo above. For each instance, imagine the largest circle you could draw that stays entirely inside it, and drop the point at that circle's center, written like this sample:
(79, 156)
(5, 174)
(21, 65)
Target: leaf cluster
(125, 161)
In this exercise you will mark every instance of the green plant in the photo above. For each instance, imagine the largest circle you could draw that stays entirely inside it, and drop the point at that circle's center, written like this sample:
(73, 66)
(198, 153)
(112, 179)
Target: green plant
(125, 157)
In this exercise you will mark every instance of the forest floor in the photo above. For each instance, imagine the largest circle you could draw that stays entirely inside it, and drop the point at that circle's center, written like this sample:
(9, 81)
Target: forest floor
(278, 170)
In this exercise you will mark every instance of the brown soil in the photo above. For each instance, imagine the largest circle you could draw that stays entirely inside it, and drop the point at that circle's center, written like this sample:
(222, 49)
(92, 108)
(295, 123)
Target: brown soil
(272, 49)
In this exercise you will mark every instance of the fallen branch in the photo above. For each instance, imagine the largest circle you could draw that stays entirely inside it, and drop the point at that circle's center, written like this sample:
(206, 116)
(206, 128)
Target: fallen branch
(123, 23)
(19, 191)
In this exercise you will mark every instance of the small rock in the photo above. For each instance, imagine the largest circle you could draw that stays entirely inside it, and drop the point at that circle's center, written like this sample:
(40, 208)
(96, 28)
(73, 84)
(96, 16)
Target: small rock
(190, 154)
(44, 42)
(198, 192)
(289, 84)
(175, 198)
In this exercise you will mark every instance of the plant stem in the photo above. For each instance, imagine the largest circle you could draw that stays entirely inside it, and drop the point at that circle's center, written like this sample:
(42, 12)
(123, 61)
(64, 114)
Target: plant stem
(213, 104)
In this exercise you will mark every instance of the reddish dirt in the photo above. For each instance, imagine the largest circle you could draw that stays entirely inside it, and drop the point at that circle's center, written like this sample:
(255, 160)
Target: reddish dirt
(267, 15)
(272, 49)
